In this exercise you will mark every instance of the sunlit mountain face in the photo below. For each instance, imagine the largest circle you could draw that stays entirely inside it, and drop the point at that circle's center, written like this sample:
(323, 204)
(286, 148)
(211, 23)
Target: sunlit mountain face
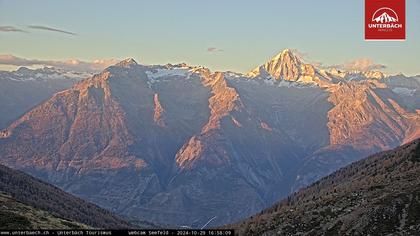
(179, 145)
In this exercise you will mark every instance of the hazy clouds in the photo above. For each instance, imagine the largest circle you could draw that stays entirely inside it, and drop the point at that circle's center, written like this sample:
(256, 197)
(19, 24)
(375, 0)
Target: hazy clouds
(361, 64)
(71, 64)
(11, 29)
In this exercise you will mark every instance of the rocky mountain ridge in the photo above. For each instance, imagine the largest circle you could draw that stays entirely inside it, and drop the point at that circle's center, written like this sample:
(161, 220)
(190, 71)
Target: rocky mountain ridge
(168, 144)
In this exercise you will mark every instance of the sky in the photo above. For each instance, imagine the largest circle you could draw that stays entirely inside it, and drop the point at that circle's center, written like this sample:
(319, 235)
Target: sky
(236, 35)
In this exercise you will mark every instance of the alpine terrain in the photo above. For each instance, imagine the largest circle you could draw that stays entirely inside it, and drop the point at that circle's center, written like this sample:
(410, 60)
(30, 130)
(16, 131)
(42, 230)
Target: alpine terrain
(24, 88)
(181, 145)
(379, 195)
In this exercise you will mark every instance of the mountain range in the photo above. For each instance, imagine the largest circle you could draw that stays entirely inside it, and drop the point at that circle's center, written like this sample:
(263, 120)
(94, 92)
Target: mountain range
(180, 145)
(25, 88)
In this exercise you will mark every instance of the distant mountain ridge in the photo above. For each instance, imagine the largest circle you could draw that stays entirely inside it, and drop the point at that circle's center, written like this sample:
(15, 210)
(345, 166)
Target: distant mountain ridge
(168, 143)
(42, 74)
(378, 195)
(25, 88)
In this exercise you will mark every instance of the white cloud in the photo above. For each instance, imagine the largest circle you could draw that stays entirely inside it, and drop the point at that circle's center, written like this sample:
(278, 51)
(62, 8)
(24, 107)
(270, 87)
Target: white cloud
(10, 29)
(362, 64)
(71, 64)
(304, 56)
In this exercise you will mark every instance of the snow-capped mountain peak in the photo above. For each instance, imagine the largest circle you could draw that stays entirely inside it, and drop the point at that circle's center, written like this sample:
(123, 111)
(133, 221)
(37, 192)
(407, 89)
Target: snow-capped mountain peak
(286, 66)
(127, 63)
(283, 65)
(285, 56)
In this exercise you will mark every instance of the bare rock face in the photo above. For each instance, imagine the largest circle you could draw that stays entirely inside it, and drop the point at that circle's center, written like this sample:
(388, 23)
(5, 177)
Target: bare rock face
(223, 101)
(358, 107)
(158, 116)
(180, 145)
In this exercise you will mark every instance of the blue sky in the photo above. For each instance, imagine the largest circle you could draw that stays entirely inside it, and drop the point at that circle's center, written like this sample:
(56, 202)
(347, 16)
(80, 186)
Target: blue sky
(244, 33)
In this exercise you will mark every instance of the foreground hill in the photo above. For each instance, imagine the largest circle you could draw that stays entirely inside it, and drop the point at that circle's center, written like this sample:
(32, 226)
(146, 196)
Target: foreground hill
(27, 199)
(379, 195)
(16, 215)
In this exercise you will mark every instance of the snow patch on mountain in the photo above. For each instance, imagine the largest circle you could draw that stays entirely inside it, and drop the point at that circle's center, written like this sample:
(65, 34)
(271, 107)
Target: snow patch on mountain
(404, 91)
(268, 80)
(172, 72)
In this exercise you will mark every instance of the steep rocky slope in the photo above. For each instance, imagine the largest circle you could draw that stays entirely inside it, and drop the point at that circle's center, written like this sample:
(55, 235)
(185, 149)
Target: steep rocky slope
(180, 145)
(379, 195)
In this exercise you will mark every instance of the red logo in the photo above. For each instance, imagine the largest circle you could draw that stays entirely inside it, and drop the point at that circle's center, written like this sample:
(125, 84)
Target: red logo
(385, 19)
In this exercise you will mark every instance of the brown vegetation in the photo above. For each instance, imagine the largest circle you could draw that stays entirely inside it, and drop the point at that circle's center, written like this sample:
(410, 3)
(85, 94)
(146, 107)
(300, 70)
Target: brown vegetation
(378, 195)
(45, 197)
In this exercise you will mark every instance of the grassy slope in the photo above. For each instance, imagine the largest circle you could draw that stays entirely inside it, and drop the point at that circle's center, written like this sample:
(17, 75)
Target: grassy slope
(42, 196)
(378, 195)
(16, 215)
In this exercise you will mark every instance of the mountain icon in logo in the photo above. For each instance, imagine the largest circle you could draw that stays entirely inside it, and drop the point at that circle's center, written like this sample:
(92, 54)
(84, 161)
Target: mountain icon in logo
(385, 15)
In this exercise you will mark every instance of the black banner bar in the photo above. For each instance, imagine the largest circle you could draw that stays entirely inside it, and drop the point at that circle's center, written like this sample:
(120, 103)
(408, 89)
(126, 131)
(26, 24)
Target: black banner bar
(140, 232)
